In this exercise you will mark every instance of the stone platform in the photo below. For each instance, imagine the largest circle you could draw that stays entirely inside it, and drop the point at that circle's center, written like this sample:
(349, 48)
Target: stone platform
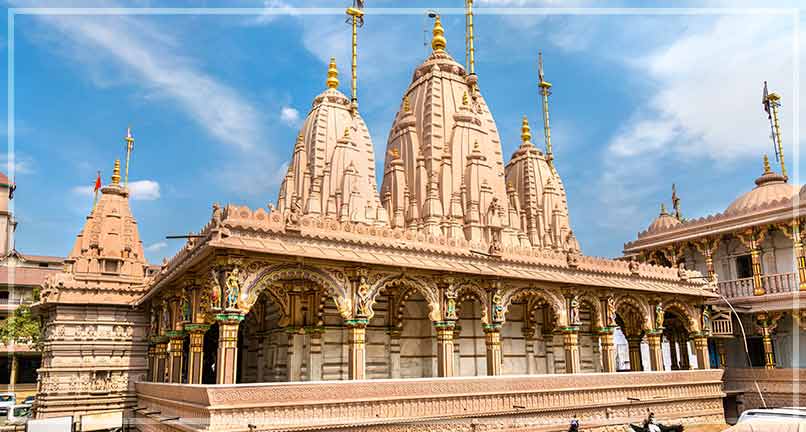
(528, 402)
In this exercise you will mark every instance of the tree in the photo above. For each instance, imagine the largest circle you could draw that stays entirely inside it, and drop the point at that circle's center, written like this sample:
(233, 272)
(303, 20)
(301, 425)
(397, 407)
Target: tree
(20, 327)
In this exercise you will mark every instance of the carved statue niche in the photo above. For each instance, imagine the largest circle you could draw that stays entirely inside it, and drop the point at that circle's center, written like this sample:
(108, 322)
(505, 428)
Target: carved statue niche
(498, 308)
(233, 287)
(362, 293)
(573, 312)
(658, 316)
(610, 313)
(706, 319)
(295, 212)
(184, 306)
(166, 316)
(217, 216)
(215, 291)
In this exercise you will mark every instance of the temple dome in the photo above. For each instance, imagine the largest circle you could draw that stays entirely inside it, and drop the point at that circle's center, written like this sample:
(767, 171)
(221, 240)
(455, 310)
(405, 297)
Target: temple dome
(332, 170)
(771, 187)
(444, 169)
(663, 222)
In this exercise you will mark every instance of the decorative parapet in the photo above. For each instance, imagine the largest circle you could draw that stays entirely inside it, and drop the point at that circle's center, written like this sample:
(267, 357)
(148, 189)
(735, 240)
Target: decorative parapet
(682, 396)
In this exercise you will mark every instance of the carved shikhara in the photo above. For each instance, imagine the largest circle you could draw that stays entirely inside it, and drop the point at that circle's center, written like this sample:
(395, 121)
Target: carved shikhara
(444, 404)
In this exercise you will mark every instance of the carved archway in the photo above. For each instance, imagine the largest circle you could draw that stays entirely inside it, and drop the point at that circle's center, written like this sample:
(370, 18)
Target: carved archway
(467, 290)
(424, 287)
(641, 308)
(687, 313)
(268, 279)
(554, 301)
(597, 317)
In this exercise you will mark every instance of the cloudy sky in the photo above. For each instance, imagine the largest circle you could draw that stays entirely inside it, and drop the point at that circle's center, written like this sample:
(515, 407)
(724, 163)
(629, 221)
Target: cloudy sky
(643, 98)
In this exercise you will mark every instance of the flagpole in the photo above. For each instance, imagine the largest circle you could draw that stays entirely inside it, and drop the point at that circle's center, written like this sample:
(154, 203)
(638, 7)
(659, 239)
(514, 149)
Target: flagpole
(129, 147)
(95, 199)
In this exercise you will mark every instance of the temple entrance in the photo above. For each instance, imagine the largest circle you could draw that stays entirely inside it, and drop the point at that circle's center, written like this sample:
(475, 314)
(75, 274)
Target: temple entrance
(210, 355)
(469, 351)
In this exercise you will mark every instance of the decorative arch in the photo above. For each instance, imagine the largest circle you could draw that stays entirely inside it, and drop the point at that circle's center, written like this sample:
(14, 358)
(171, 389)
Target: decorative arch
(425, 287)
(267, 280)
(597, 319)
(686, 312)
(641, 308)
(555, 302)
(534, 305)
(466, 290)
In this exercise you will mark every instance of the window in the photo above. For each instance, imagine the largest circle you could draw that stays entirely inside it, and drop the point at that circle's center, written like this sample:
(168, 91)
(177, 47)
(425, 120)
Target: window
(110, 266)
(756, 347)
(3, 296)
(744, 267)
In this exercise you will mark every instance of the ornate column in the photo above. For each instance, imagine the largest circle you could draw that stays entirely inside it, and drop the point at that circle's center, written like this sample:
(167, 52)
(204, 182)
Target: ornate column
(548, 346)
(752, 240)
(260, 367)
(358, 352)
(655, 351)
(634, 345)
(707, 247)
(227, 360)
(394, 353)
(196, 351)
(294, 356)
(723, 355)
(457, 351)
(800, 253)
(766, 325)
(176, 344)
(161, 352)
(608, 350)
(492, 340)
(529, 342)
(444, 331)
(685, 363)
(701, 350)
(315, 355)
(571, 347)
(151, 361)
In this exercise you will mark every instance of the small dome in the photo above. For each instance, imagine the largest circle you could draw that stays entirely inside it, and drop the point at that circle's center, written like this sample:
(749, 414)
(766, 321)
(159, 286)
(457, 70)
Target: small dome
(663, 222)
(770, 187)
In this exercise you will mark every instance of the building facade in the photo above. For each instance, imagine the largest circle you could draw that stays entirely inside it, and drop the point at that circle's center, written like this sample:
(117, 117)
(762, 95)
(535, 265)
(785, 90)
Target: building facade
(753, 251)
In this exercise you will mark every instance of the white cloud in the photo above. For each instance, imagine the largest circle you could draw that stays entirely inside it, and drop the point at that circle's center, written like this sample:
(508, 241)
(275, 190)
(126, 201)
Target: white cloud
(16, 163)
(144, 190)
(156, 247)
(289, 116)
(154, 59)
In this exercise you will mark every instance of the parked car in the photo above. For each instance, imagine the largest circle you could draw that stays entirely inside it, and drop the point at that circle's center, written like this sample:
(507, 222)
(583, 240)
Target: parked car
(29, 400)
(18, 414)
(7, 401)
(780, 415)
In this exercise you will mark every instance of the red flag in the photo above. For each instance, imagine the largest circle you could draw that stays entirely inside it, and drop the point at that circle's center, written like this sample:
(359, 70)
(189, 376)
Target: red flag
(98, 182)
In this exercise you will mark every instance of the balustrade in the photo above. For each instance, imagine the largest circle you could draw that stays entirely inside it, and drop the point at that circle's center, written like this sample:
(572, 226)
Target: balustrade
(772, 283)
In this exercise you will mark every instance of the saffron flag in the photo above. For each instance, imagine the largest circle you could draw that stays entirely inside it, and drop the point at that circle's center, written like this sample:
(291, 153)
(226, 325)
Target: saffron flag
(97, 182)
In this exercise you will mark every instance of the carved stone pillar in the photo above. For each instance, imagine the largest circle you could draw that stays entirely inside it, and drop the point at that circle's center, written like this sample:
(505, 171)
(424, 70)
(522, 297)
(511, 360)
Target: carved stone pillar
(766, 325)
(315, 355)
(571, 347)
(492, 339)
(444, 331)
(357, 329)
(262, 341)
(176, 354)
(529, 342)
(655, 351)
(723, 355)
(151, 361)
(673, 352)
(548, 346)
(685, 363)
(162, 359)
(800, 255)
(227, 360)
(294, 357)
(196, 351)
(758, 285)
(394, 353)
(457, 351)
(634, 345)
(608, 350)
(701, 350)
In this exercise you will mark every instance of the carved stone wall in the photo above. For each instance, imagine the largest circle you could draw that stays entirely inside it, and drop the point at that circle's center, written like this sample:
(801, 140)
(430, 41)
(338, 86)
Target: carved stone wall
(519, 402)
(92, 356)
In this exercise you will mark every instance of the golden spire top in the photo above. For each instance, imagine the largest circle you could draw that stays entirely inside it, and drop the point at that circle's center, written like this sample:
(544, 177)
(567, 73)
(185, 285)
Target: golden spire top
(129, 147)
(332, 74)
(771, 102)
(395, 153)
(116, 173)
(464, 99)
(406, 104)
(767, 169)
(545, 91)
(470, 52)
(526, 131)
(663, 209)
(347, 132)
(438, 42)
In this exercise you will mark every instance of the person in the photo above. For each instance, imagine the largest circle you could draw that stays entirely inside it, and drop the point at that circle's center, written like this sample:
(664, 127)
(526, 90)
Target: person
(574, 426)
(651, 424)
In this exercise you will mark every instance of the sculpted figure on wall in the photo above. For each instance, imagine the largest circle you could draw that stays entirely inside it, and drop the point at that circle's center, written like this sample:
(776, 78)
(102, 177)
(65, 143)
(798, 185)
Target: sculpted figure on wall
(611, 311)
(658, 316)
(233, 285)
(573, 312)
(498, 308)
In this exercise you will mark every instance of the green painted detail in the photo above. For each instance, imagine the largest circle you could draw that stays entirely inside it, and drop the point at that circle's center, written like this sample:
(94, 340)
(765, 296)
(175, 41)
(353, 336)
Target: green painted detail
(229, 317)
(196, 327)
(175, 333)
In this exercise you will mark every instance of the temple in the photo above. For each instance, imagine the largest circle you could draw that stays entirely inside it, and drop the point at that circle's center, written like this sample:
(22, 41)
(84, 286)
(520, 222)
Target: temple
(455, 293)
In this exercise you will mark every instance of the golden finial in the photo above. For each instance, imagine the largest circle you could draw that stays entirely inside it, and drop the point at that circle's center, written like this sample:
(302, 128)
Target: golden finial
(438, 42)
(406, 104)
(129, 147)
(476, 145)
(347, 132)
(395, 153)
(116, 173)
(526, 131)
(332, 74)
(464, 99)
(663, 209)
(767, 169)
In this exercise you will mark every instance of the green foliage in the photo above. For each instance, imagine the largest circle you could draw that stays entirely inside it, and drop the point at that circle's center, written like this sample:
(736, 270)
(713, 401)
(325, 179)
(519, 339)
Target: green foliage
(20, 327)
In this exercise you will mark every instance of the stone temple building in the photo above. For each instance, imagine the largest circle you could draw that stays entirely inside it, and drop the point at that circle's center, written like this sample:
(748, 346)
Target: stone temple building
(455, 296)
(755, 249)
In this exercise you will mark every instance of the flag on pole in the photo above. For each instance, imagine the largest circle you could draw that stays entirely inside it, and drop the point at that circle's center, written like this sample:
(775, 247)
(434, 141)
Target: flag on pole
(97, 187)
(765, 100)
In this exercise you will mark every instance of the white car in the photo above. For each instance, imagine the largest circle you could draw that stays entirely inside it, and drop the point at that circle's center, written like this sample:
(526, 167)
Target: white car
(18, 414)
(771, 420)
(7, 401)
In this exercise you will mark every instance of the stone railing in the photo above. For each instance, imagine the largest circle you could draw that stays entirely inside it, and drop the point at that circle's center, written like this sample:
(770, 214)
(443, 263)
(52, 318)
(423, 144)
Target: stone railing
(527, 402)
(773, 284)
(778, 387)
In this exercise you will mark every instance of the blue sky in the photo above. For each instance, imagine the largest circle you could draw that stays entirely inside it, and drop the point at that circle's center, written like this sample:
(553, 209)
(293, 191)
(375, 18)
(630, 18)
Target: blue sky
(640, 101)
